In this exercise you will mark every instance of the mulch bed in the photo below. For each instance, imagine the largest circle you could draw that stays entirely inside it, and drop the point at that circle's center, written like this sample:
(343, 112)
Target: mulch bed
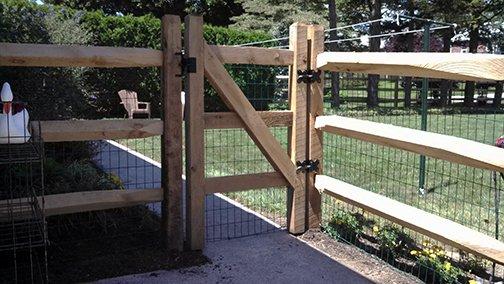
(97, 245)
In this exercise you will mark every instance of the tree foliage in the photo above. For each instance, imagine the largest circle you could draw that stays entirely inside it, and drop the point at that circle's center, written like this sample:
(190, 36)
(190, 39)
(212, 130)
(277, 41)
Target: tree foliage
(215, 12)
(275, 16)
(61, 93)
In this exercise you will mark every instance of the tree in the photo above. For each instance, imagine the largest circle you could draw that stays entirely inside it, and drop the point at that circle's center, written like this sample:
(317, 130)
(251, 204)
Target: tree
(374, 46)
(475, 18)
(216, 12)
(333, 35)
(275, 16)
(136, 8)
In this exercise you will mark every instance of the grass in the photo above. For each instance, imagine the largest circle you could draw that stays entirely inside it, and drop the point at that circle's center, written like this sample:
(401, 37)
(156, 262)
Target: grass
(455, 192)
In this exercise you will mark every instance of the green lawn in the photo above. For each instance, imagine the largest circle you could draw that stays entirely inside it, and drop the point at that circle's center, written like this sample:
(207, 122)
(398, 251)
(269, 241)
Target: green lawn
(456, 192)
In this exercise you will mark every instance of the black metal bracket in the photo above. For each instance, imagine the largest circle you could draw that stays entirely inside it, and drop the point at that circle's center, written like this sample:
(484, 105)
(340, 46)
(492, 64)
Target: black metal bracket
(309, 76)
(187, 64)
(307, 166)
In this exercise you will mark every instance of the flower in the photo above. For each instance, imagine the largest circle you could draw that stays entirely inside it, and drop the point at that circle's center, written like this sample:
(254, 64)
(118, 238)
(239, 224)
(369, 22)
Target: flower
(433, 256)
(425, 243)
(413, 252)
(472, 281)
(447, 266)
(376, 229)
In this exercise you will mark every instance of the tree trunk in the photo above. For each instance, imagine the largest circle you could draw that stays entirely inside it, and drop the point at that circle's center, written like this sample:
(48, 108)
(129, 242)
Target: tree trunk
(374, 46)
(333, 35)
(498, 95)
(409, 43)
(473, 48)
(446, 84)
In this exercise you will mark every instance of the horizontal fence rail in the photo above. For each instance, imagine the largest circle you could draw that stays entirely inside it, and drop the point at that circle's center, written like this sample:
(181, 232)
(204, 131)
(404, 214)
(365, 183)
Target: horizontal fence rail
(444, 147)
(85, 130)
(85, 201)
(49, 55)
(431, 225)
(452, 66)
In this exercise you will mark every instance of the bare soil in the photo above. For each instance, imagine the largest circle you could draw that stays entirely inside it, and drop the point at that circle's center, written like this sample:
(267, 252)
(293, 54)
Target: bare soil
(363, 263)
(97, 245)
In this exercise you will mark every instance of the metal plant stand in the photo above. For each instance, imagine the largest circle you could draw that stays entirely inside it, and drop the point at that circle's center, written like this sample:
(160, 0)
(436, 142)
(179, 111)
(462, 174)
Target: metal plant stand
(23, 232)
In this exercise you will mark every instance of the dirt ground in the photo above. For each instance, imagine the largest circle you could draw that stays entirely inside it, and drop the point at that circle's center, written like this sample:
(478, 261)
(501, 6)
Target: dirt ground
(365, 264)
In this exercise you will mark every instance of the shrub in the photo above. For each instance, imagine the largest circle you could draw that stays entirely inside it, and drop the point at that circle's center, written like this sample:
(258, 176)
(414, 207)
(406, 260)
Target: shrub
(54, 93)
(393, 239)
(51, 93)
(76, 176)
(434, 257)
(346, 225)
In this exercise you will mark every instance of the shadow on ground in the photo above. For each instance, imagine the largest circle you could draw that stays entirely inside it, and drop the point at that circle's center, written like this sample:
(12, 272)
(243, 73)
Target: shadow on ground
(276, 257)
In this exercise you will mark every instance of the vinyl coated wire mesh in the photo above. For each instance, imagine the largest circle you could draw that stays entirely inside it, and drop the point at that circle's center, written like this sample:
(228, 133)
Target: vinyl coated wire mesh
(460, 193)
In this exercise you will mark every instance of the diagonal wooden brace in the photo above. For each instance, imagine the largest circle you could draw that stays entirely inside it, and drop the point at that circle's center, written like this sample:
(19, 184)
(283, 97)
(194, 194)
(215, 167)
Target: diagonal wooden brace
(235, 99)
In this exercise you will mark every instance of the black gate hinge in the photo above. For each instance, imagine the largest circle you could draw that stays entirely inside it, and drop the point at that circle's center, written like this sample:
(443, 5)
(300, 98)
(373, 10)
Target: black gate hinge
(309, 76)
(187, 64)
(307, 166)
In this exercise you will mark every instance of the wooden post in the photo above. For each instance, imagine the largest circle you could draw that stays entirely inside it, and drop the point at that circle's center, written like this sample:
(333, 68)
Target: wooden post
(296, 199)
(195, 161)
(396, 91)
(316, 108)
(171, 147)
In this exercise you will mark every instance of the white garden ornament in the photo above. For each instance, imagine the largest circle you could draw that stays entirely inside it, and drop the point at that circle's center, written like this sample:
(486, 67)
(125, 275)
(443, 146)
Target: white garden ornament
(13, 120)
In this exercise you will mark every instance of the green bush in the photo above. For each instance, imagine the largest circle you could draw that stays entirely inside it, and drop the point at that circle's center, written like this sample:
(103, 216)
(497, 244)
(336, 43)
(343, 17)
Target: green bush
(76, 176)
(51, 93)
(145, 32)
(55, 93)
(346, 225)
(393, 240)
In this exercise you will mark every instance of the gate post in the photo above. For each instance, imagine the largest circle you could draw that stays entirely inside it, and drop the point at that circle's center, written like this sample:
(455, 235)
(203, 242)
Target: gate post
(194, 47)
(315, 108)
(171, 140)
(296, 199)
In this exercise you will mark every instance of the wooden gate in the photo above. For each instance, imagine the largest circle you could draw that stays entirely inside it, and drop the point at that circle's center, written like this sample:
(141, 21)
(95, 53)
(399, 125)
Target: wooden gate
(305, 42)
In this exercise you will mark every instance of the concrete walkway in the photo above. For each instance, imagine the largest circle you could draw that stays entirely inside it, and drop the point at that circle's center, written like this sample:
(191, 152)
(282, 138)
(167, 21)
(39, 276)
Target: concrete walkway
(224, 217)
(269, 258)
(274, 257)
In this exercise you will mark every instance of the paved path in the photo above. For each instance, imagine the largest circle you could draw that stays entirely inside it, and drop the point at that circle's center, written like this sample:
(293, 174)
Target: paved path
(274, 257)
(268, 258)
(224, 217)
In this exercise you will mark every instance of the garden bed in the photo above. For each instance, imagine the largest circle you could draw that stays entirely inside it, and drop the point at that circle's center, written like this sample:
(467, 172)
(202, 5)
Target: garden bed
(110, 243)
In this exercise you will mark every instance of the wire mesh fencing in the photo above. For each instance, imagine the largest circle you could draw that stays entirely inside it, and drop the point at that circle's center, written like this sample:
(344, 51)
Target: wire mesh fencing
(231, 152)
(460, 193)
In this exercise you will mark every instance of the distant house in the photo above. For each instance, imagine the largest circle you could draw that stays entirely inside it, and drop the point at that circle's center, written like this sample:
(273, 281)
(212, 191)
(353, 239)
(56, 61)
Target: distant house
(463, 49)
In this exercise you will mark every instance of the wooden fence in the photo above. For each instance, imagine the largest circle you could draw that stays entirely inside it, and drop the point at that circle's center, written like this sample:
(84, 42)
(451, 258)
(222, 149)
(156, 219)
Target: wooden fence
(305, 120)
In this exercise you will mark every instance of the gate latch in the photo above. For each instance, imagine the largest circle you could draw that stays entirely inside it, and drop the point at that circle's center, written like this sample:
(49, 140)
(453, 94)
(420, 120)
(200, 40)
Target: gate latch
(187, 64)
(307, 166)
(309, 76)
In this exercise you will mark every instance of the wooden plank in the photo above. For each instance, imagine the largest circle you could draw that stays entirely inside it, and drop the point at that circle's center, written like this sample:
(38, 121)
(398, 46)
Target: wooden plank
(171, 146)
(444, 147)
(315, 136)
(452, 66)
(431, 225)
(222, 120)
(85, 201)
(84, 130)
(195, 142)
(296, 199)
(243, 182)
(50, 55)
(252, 55)
(235, 100)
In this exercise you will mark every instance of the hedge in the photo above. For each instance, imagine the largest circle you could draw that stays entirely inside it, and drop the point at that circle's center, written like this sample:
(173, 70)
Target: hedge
(92, 92)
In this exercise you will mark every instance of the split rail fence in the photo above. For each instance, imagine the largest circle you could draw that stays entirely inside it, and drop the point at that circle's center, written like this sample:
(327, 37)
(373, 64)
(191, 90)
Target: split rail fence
(305, 121)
